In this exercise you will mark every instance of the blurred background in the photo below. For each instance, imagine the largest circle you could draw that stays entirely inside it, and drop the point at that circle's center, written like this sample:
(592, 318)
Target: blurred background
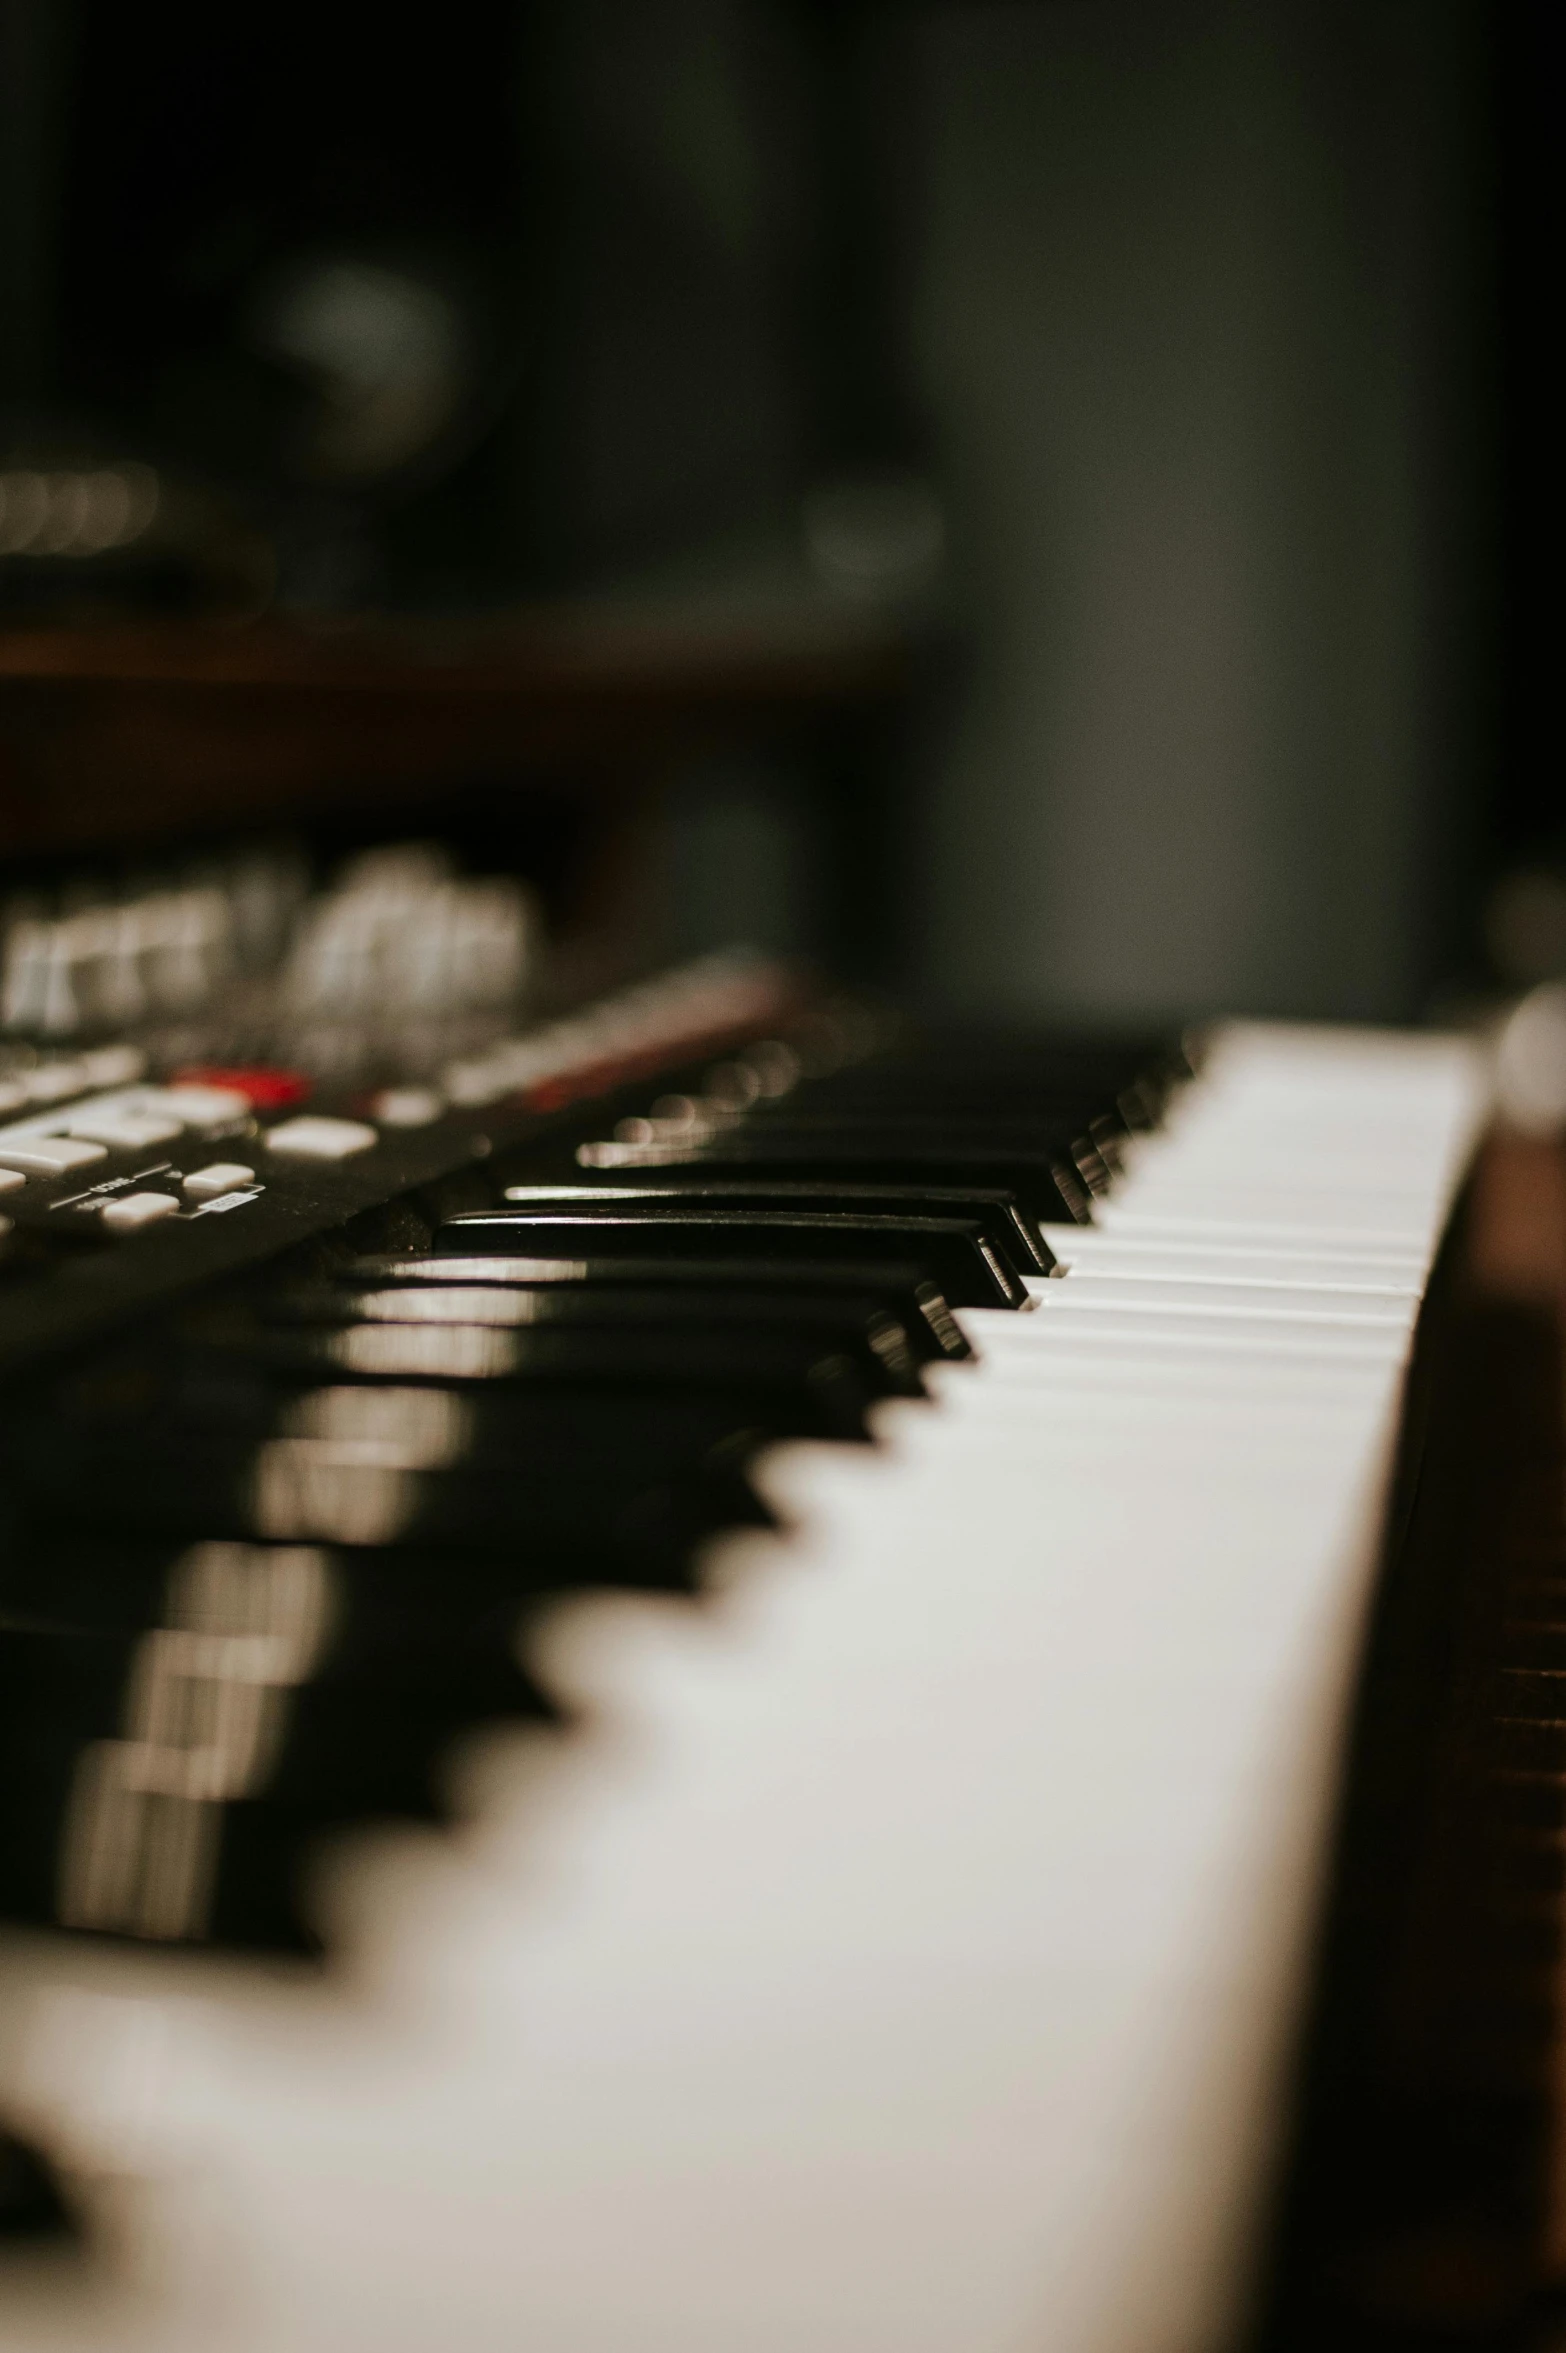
(1044, 503)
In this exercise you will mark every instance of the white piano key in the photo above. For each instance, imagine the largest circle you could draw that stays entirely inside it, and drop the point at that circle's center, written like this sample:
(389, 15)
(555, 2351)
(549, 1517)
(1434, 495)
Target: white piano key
(1093, 1250)
(1112, 1292)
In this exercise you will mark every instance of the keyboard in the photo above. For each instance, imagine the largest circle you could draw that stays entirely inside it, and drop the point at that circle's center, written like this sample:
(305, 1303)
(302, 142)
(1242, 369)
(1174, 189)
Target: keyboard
(789, 1644)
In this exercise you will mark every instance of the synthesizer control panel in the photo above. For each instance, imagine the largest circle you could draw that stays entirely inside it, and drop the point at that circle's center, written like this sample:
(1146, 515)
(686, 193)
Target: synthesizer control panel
(386, 1033)
(114, 1194)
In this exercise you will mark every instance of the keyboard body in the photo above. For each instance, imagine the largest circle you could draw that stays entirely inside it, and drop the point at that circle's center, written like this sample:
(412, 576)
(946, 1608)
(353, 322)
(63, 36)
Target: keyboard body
(864, 1895)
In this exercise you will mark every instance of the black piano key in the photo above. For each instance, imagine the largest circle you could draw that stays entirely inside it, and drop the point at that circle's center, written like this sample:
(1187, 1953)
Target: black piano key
(58, 1692)
(1528, 1743)
(777, 1378)
(1094, 1056)
(1010, 1228)
(1049, 1185)
(954, 1252)
(170, 1784)
(1072, 1140)
(881, 1344)
(384, 1595)
(1059, 1110)
(529, 1332)
(415, 1647)
(566, 1491)
(1011, 1064)
(1528, 1800)
(173, 1400)
(780, 1375)
(899, 1290)
(184, 1388)
(421, 1646)
(1040, 1127)
(979, 1079)
(1044, 1121)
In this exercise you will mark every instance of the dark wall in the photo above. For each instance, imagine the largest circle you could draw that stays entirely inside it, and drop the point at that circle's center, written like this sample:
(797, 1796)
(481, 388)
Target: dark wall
(1202, 326)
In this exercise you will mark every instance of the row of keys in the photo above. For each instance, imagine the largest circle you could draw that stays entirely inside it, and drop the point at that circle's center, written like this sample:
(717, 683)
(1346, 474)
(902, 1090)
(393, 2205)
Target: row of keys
(949, 1117)
(568, 1390)
(275, 1558)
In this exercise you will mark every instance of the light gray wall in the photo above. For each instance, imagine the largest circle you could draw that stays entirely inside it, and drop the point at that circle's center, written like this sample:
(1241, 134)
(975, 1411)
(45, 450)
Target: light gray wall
(1189, 277)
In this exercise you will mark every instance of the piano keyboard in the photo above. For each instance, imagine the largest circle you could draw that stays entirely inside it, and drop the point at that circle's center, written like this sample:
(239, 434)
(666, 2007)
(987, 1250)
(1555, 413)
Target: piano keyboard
(888, 1929)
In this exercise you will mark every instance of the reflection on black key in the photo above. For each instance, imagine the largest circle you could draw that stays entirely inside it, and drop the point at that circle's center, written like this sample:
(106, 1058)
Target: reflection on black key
(877, 1341)
(387, 1595)
(1010, 1228)
(754, 1353)
(954, 1252)
(1050, 1186)
(902, 1290)
(590, 1487)
(777, 1378)
(166, 1783)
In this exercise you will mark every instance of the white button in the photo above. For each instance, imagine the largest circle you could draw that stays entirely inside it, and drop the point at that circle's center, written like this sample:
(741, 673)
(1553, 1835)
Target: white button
(197, 1106)
(114, 1066)
(47, 1155)
(312, 1138)
(131, 1131)
(475, 1083)
(10, 1179)
(408, 1107)
(52, 1081)
(204, 1184)
(132, 1211)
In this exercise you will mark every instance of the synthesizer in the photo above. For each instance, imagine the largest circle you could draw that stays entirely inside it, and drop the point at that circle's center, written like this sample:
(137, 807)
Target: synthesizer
(696, 1696)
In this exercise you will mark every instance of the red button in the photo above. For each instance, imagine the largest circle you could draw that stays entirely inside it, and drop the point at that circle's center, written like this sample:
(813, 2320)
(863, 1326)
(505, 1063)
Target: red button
(269, 1090)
